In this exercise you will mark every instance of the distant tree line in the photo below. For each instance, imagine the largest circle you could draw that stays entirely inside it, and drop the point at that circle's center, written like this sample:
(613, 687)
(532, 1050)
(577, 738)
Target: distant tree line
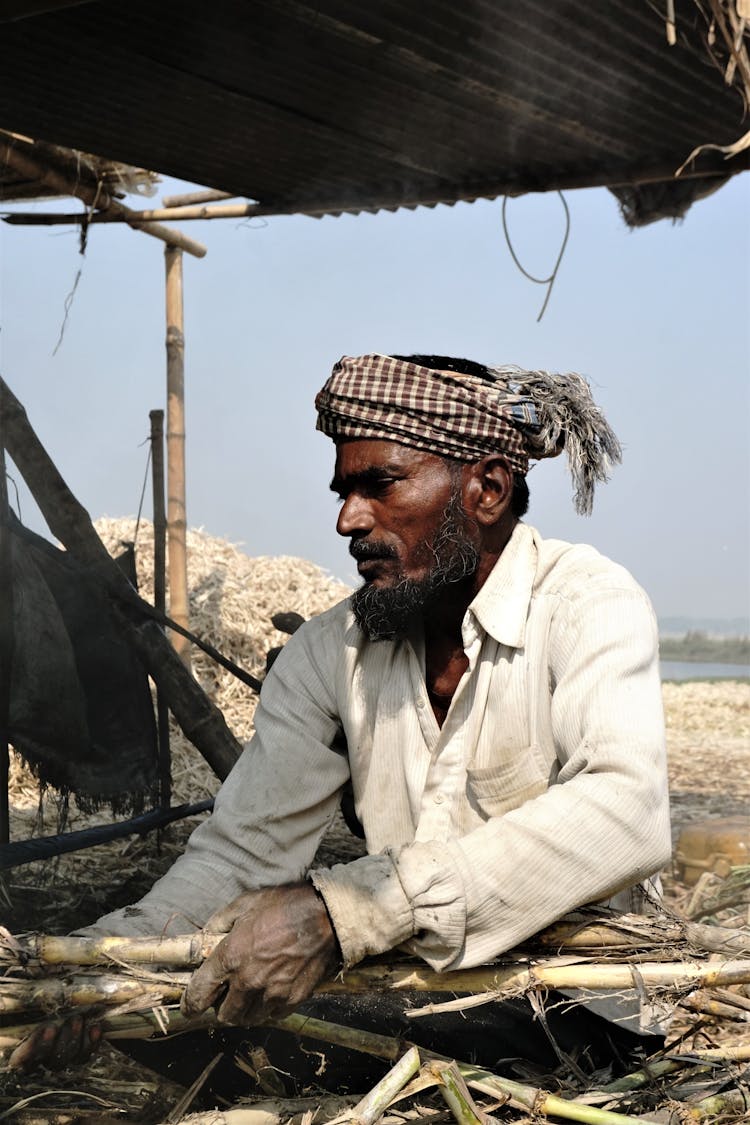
(698, 646)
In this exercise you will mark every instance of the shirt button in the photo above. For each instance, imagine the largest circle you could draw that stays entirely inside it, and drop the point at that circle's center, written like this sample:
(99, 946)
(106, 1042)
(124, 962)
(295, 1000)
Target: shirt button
(420, 703)
(438, 798)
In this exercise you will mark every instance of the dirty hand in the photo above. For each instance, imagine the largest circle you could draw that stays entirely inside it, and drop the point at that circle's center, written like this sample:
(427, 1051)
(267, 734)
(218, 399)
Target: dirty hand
(280, 945)
(64, 1042)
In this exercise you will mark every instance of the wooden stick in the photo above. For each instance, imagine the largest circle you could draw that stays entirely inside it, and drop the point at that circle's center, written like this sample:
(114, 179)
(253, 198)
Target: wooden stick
(202, 722)
(19, 156)
(160, 594)
(176, 514)
(7, 640)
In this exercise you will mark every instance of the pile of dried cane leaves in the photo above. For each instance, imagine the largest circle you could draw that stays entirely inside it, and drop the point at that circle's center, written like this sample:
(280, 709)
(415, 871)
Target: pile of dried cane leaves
(697, 973)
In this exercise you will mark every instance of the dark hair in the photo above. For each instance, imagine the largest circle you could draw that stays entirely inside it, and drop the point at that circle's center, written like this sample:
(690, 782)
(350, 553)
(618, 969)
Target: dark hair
(519, 501)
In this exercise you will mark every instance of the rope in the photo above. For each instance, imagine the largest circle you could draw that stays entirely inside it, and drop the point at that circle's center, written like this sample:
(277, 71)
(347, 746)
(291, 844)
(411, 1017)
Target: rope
(143, 491)
(548, 281)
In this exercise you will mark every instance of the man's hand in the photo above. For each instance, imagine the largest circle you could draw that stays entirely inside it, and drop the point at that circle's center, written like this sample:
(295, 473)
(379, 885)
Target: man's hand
(280, 946)
(65, 1042)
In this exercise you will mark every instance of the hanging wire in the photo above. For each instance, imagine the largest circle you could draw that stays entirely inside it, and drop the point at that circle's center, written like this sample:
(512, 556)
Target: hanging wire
(15, 488)
(66, 313)
(143, 491)
(548, 281)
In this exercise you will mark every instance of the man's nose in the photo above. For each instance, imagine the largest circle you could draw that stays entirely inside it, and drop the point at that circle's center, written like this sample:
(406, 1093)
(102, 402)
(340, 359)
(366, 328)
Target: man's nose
(355, 516)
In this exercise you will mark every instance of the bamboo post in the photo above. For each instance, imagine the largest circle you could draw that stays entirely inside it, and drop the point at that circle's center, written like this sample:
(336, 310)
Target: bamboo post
(160, 594)
(176, 516)
(209, 195)
(6, 640)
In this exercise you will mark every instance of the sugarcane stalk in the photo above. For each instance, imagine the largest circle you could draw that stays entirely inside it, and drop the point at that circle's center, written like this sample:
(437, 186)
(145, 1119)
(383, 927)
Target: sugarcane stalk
(52, 994)
(484, 984)
(373, 1105)
(146, 1025)
(183, 951)
(160, 1020)
(718, 1105)
(187, 951)
(658, 1068)
(701, 1059)
(710, 1005)
(457, 1097)
(523, 1097)
(339, 1035)
(488, 984)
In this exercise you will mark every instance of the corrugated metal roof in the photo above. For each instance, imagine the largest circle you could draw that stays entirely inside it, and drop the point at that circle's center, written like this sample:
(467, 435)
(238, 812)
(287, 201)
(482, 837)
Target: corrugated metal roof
(343, 104)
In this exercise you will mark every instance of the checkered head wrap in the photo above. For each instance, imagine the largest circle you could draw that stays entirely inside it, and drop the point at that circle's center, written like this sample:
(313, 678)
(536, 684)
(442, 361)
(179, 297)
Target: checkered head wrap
(522, 415)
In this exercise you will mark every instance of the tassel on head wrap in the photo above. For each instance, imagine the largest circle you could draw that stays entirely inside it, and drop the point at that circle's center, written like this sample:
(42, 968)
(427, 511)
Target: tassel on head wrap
(522, 415)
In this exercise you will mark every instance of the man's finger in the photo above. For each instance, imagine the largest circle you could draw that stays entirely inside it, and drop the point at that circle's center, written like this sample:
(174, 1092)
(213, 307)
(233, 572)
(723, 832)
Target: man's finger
(241, 1009)
(35, 1049)
(67, 1045)
(67, 1042)
(222, 920)
(205, 986)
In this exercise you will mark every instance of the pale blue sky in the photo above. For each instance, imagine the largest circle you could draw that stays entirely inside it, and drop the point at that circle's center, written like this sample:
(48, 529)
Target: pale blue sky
(657, 319)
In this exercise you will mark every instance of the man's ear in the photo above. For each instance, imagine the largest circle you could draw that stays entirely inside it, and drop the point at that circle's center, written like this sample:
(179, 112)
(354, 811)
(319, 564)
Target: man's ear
(488, 490)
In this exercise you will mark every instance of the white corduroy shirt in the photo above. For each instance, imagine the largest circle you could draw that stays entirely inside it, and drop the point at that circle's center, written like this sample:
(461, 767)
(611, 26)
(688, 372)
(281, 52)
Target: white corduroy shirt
(545, 789)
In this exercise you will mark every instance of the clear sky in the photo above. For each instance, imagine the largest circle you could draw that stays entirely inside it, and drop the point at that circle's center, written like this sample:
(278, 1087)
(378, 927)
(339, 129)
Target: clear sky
(658, 319)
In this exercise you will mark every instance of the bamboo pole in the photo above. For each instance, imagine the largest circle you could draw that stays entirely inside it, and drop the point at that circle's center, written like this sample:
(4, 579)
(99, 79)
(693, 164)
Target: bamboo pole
(18, 155)
(176, 515)
(160, 594)
(201, 721)
(210, 195)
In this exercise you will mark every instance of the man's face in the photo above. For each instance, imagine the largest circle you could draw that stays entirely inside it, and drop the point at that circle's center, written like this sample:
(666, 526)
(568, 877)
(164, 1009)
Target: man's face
(403, 515)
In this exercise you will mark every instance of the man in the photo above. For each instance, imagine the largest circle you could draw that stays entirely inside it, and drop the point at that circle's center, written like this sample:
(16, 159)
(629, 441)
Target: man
(493, 697)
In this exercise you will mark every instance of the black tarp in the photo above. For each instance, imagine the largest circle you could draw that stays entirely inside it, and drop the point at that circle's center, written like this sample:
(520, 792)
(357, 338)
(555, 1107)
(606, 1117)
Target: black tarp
(81, 712)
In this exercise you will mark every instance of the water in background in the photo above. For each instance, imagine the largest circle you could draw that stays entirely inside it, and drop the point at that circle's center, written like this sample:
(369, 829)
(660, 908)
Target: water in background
(692, 670)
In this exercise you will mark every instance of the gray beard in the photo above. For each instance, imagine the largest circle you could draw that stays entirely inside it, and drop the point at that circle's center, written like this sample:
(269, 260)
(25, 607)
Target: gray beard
(386, 614)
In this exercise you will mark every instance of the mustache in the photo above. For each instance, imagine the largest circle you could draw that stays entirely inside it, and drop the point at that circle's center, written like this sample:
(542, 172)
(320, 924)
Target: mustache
(361, 550)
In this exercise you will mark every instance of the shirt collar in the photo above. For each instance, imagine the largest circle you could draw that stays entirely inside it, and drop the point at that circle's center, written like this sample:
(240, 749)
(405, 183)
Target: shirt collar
(502, 604)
